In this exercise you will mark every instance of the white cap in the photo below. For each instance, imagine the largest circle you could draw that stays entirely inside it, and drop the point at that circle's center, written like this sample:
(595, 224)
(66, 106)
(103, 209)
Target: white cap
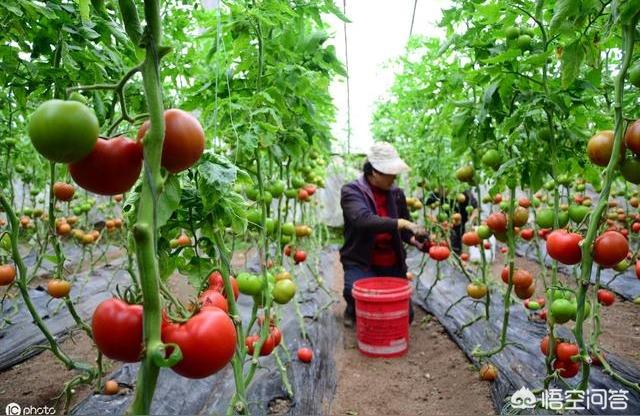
(384, 158)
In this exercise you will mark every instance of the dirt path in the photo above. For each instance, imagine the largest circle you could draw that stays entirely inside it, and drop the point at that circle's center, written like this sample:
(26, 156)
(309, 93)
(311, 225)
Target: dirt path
(428, 380)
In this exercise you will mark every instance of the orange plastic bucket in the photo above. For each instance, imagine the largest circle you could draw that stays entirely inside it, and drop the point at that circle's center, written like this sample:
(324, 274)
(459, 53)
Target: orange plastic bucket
(382, 316)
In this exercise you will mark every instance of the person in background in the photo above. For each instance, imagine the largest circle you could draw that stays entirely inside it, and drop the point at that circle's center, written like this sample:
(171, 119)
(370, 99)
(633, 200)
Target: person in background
(376, 222)
(460, 207)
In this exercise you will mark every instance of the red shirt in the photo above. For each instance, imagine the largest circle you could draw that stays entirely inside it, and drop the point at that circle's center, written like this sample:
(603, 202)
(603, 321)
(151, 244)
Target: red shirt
(383, 253)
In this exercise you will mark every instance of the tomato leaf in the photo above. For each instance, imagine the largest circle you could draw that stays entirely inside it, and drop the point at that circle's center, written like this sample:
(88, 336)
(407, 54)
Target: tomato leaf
(571, 61)
(169, 199)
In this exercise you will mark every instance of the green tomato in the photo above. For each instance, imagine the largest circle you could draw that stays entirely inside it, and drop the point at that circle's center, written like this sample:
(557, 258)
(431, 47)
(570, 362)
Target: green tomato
(533, 305)
(19, 169)
(249, 284)
(270, 225)
(288, 229)
(524, 42)
(634, 75)
(76, 96)
(492, 159)
(283, 291)
(5, 242)
(535, 202)
(562, 310)
(512, 32)
(578, 213)
(442, 217)
(63, 131)
(254, 217)
(297, 182)
(446, 207)
(564, 180)
(637, 300)
(580, 187)
(27, 211)
(544, 218)
(277, 189)
(77, 210)
(285, 239)
(504, 206)
(291, 193)
(469, 209)
(267, 198)
(251, 192)
(34, 192)
(630, 170)
(622, 266)
(484, 232)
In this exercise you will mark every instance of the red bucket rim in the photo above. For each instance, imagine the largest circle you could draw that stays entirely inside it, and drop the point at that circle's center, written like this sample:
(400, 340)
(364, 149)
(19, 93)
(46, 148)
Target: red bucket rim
(380, 287)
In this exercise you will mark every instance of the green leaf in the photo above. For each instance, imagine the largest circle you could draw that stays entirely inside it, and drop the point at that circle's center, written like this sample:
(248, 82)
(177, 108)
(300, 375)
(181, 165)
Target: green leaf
(571, 61)
(169, 199)
(563, 10)
(84, 10)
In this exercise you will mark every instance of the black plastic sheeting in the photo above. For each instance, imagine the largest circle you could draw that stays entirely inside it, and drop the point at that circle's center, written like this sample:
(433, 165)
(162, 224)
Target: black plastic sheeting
(87, 291)
(625, 284)
(313, 384)
(519, 366)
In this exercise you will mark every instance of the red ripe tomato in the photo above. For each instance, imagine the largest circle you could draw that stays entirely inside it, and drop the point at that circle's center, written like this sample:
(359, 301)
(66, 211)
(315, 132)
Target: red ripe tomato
(470, 238)
(303, 195)
(564, 246)
(267, 347)
(439, 253)
(624, 232)
(543, 233)
(541, 301)
(635, 227)
(207, 341)
(299, 256)
(487, 245)
(216, 283)
(566, 350)
(522, 278)
(464, 256)
(443, 244)
(497, 199)
(497, 222)
(213, 298)
(276, 335)
(112, 167)
(310, 188)
(544, 345)
(606, 297)
(526, 234)
(183, 140)
(63, 191)
(305, 355)
(117, 330)
(632, 137)
(543, 314)
(505, 275)
(610, 248)
(287, 250)
(524, 202)
(638, 269)
(7, 274)
(503, 250)
(566, 369)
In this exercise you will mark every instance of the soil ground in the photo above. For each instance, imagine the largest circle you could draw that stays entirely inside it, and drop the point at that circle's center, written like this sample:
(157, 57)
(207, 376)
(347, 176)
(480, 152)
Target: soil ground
(426, 381)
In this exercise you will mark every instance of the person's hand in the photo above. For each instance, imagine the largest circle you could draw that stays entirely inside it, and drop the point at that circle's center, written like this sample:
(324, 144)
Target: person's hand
(408, 225)
(423, 245)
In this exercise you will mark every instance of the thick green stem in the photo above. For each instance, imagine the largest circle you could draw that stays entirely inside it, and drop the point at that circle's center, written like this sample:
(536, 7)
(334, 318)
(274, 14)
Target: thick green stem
(628, 38)
(144, 231)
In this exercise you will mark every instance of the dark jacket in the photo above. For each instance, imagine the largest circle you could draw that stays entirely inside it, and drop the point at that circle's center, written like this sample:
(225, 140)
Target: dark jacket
(361, 223)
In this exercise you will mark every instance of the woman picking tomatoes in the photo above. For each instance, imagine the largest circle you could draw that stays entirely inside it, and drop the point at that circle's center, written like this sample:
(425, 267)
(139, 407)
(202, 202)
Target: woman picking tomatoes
(376, 222)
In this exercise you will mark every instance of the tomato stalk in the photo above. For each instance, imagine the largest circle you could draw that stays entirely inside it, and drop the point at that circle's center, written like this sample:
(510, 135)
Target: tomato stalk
(145, 229)
(483, 258)
(507, 295)
(554, 283)
(628, 39)
(21, 281)
(238, 358)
